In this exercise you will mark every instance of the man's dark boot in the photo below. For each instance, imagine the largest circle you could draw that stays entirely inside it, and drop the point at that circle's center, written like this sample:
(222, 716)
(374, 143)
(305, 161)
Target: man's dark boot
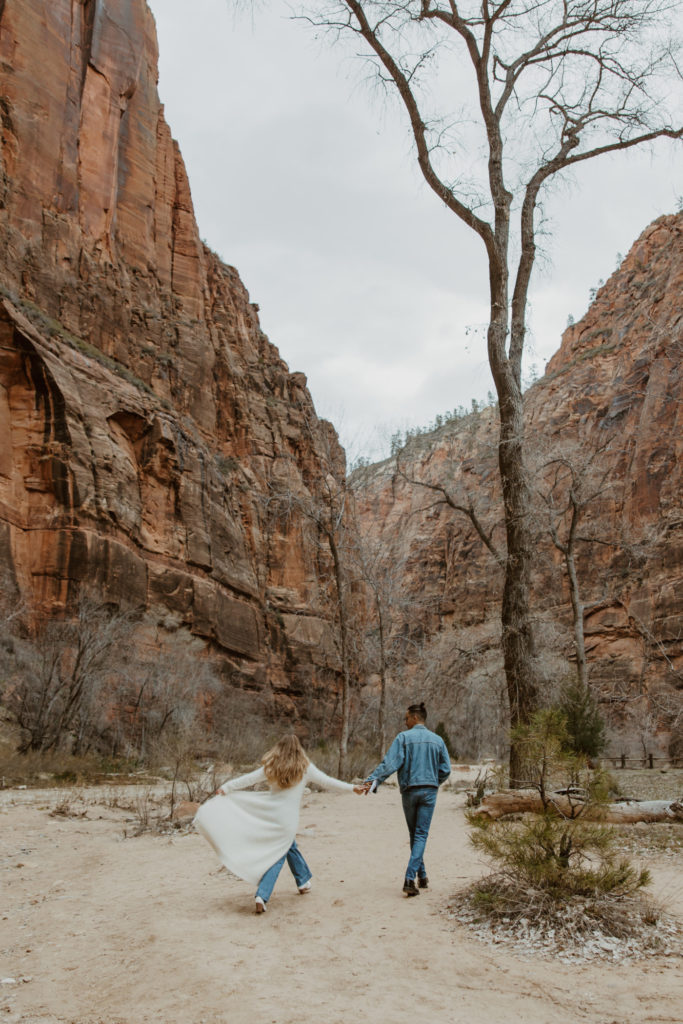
(409, 887)
(423, 883)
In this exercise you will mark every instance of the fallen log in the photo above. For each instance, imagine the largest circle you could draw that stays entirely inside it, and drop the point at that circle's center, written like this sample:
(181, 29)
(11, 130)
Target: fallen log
(520, 801)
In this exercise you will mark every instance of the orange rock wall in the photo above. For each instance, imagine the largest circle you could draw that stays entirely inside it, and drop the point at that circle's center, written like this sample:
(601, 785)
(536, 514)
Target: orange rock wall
(142, 410)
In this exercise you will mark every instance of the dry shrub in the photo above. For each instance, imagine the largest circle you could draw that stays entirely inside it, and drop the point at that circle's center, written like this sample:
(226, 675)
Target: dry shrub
(243, 725)
(145, 808)
(67, 805)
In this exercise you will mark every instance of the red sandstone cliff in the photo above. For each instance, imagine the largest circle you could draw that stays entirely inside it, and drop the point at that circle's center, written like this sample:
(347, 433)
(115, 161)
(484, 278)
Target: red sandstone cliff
(142, 410)
(611, 403)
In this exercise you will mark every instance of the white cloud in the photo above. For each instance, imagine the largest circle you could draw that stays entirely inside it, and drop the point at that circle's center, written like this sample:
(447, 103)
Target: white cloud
(305, 183)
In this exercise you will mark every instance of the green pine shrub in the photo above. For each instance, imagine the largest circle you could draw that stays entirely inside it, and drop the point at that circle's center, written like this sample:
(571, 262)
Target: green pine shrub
(584, 725)
(558, 854)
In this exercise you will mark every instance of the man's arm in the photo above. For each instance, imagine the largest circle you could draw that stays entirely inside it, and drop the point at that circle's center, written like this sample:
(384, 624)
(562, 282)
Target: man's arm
(392, 762)
(444, 764)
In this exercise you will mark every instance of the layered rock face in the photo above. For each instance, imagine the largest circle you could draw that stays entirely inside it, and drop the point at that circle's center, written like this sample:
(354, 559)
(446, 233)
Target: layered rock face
(143, 413)
(608, 411)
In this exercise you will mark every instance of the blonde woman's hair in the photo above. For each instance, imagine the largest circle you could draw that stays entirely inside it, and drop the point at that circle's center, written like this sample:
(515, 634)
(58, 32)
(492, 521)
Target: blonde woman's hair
(285, 764)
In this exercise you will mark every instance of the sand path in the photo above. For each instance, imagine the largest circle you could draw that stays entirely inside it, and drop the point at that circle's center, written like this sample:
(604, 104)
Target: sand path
(107, 930)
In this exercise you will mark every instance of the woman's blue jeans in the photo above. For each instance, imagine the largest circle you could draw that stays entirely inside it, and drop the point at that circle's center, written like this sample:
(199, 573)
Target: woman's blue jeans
(297, 865)
(418, 806)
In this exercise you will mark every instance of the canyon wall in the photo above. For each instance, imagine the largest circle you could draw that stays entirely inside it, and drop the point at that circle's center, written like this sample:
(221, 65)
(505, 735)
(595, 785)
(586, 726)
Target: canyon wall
(608, 410)
(144, 415)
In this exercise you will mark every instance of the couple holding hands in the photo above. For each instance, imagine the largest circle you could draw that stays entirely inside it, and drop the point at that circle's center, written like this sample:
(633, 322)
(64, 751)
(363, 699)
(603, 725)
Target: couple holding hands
(254, 833)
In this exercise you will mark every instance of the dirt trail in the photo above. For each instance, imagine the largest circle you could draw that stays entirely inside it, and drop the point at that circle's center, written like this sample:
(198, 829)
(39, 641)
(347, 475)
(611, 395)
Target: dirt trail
(114, 931)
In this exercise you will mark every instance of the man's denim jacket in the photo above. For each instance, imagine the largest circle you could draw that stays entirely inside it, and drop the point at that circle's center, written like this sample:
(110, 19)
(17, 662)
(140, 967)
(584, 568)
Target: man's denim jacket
(420, 758)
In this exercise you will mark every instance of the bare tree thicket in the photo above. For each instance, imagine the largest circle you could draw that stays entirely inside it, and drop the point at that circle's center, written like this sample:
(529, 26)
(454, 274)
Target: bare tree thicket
(386, 606)
(501, 98)
(93, 681)
(161, 699)
(57, 675)
(463, 682)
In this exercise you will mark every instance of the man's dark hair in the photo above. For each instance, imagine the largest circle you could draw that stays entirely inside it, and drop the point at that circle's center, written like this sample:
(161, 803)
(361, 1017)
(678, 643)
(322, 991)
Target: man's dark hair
(419, 710)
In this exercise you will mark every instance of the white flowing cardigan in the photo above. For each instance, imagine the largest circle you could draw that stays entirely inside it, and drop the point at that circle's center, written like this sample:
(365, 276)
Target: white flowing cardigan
(251, 831)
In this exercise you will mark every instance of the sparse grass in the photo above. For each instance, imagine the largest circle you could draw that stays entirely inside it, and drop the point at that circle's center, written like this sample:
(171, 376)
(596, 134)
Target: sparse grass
(656, 839)
(647, 783)
(582, 357)
(39, 770)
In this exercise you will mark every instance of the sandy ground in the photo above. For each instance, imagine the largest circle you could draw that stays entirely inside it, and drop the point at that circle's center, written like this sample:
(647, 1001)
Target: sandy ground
(98, 929)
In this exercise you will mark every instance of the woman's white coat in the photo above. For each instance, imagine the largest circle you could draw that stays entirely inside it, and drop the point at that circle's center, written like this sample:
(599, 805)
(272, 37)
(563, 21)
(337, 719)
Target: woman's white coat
(251, 831)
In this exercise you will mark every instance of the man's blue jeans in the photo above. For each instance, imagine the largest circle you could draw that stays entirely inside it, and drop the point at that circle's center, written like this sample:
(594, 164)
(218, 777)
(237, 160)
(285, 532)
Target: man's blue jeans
(418, 806)
(297, 865)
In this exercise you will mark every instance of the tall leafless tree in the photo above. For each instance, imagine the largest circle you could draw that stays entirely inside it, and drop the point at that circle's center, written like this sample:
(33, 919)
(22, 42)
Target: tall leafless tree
(574, 479)
(501, 97)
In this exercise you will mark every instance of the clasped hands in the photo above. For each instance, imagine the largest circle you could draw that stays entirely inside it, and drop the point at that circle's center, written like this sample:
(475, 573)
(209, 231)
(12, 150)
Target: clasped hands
(362, 790)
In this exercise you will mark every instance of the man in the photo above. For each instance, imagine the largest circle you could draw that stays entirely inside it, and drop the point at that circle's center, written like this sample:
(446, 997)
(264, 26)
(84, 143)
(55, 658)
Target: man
(421, 759)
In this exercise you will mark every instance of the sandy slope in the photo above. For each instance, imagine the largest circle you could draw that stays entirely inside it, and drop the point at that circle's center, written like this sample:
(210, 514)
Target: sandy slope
(107, 930)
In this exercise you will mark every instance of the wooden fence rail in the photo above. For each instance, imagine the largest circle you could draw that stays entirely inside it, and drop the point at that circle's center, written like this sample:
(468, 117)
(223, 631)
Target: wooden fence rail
(645, 761)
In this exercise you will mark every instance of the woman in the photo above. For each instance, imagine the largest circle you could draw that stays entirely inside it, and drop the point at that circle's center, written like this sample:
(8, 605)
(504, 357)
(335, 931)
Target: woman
(253, 833)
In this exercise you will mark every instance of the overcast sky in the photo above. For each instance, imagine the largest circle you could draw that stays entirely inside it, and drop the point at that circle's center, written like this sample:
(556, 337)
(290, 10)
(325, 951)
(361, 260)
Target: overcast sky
(306, 183)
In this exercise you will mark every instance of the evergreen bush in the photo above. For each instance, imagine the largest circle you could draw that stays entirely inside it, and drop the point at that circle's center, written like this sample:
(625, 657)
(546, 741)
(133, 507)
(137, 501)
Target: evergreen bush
(558, 854)
(584, 725)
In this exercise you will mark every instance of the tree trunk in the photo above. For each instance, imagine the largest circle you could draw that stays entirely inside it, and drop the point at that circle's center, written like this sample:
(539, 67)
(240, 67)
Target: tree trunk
(577, 613)
(381, 718)
(519, 654)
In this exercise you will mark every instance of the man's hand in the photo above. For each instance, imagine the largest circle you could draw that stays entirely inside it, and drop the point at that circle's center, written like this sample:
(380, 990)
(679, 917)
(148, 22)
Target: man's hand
(360, 790)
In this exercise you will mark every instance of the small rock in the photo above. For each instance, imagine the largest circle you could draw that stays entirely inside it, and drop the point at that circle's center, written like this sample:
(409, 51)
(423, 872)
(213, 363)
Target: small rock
(188, 809)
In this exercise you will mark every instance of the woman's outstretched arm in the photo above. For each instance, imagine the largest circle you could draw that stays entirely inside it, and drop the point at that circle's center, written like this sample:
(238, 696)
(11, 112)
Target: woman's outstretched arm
(314, 774)
(242, 782)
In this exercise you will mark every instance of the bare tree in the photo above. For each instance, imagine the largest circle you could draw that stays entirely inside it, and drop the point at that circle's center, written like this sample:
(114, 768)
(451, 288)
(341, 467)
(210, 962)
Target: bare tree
(573, 483)
(521, 91)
